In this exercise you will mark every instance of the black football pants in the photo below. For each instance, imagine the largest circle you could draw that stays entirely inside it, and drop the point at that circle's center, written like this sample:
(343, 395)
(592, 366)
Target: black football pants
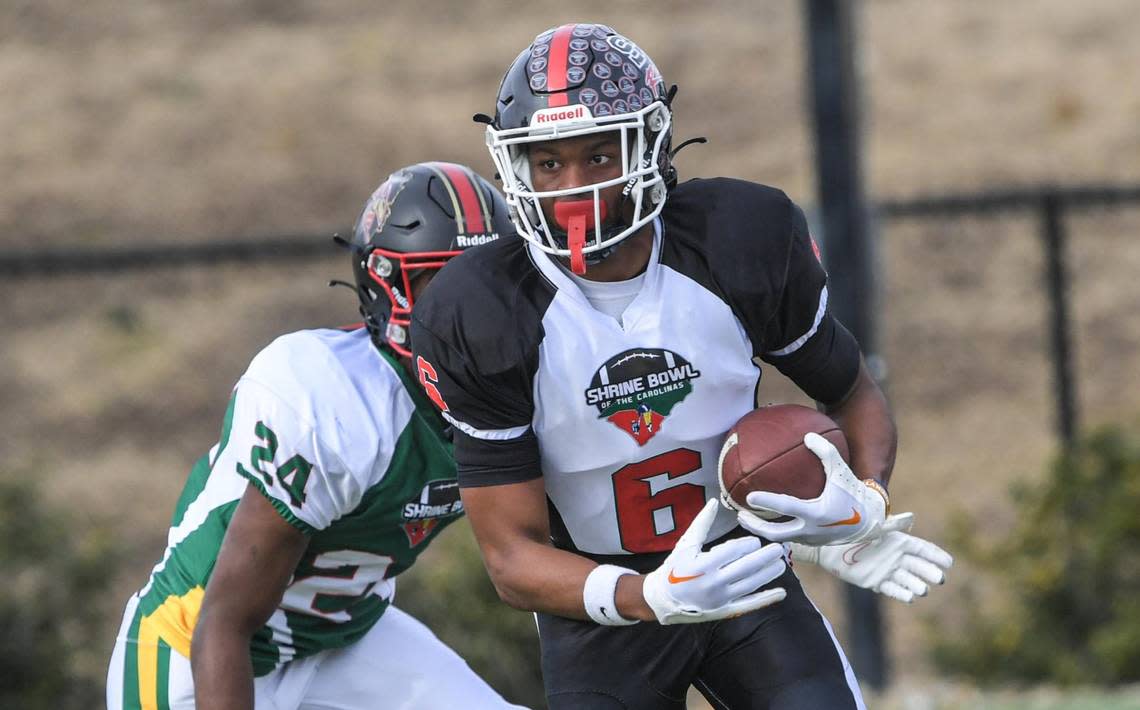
(782, 657)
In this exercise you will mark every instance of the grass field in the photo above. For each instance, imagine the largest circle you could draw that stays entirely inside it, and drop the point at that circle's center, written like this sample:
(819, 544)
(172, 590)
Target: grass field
(947, 697)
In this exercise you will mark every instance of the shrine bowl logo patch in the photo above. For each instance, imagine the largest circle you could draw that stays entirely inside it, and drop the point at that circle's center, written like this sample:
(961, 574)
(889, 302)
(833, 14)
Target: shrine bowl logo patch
(438, 499)
(637, 389)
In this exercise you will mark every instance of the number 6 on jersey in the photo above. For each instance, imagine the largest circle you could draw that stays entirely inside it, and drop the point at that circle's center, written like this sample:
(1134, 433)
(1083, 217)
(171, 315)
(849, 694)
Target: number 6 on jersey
(652, 513)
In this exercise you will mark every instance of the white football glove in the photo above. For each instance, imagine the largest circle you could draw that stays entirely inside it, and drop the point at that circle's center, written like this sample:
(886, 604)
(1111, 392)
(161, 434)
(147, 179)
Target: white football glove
(693, 586)
(895, 564)
(848, 510)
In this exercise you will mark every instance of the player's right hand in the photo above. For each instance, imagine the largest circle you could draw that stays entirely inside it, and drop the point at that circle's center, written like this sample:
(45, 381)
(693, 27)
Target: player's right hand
(693, 586)
(848, 509)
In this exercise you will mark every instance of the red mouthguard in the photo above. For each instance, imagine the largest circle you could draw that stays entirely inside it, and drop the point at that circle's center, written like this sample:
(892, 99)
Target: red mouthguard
(576, 216)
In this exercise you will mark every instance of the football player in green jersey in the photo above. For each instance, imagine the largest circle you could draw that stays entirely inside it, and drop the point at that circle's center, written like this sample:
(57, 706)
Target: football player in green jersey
(332, 473)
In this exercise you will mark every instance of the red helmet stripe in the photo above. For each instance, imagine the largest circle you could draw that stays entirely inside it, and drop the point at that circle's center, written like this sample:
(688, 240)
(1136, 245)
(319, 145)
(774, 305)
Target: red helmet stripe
(556, 74)
(469, 215)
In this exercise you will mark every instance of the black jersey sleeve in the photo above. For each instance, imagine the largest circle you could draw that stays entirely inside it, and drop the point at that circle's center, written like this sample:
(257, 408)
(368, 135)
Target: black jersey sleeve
(475, 354)
(749, 243)
(802, 339)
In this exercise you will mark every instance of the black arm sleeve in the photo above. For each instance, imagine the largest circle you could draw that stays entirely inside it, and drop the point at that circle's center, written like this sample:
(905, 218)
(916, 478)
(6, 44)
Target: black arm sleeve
(806, 343)
(475, 340)
(749, 244)
(491, 413)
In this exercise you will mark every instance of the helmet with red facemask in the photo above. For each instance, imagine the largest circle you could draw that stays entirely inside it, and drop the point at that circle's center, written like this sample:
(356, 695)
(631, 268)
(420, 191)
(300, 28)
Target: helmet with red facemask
(418, 218)
(576, 80)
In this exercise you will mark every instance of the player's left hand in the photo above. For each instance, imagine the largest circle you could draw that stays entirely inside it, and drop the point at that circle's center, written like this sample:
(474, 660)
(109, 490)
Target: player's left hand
(848, 509)
(895, 564)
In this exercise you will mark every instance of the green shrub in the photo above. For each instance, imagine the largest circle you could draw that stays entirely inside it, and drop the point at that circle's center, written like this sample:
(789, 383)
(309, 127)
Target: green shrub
(52, 644)
(1069, 573)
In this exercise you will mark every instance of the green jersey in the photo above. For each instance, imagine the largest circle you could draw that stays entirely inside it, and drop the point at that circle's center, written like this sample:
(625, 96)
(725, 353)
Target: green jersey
(335, 434)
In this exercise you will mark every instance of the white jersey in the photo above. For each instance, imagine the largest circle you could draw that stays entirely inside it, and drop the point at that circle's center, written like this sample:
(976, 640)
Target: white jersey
(624, 418)
(347, 449)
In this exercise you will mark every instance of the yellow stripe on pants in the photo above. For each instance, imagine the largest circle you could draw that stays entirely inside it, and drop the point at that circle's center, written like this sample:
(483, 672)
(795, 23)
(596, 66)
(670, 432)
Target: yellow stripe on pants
(173, 622)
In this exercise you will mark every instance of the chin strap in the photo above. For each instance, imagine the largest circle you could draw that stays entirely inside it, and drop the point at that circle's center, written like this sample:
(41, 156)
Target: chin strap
(576, 216)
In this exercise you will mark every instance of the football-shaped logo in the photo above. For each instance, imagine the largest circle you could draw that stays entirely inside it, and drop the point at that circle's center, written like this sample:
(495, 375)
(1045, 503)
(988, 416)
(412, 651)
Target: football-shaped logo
(637, 389)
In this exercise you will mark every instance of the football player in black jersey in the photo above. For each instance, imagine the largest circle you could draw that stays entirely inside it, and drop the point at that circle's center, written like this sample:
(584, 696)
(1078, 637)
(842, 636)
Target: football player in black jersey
(592, 370)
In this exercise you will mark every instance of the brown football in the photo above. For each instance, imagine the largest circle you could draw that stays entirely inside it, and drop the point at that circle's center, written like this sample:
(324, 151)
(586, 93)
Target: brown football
(765, 451)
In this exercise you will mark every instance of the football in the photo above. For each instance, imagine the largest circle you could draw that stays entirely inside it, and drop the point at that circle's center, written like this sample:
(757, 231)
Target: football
(765, 451)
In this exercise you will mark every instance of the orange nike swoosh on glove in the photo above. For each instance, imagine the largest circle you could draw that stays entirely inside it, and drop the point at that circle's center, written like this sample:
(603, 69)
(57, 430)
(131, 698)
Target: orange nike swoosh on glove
(674, 579)
(853, 520)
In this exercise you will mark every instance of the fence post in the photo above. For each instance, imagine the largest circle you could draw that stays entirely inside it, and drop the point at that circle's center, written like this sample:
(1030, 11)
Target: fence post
(1054, 236)
(847, 248)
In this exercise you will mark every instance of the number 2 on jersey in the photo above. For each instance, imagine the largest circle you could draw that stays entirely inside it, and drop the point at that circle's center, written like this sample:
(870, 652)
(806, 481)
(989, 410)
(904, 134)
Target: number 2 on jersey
(652, 514)
(332, 583)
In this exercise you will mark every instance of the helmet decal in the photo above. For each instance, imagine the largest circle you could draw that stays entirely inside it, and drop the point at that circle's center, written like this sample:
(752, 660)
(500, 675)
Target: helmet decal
(558, 60)
(379, 206)
(413, 223)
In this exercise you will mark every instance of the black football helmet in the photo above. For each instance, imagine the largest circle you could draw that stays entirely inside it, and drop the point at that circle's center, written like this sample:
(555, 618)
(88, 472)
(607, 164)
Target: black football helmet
(416, 220)
(575, 80)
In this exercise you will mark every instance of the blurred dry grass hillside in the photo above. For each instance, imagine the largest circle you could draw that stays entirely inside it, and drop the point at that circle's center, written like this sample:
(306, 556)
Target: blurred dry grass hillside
(137, 121)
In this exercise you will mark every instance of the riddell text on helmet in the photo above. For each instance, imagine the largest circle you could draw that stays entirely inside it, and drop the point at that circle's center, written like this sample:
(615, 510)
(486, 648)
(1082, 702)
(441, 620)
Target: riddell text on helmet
(553, 115)
(471, 240)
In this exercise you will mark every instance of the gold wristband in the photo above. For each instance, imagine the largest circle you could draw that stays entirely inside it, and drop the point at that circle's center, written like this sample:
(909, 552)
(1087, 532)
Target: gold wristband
(878, 488)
